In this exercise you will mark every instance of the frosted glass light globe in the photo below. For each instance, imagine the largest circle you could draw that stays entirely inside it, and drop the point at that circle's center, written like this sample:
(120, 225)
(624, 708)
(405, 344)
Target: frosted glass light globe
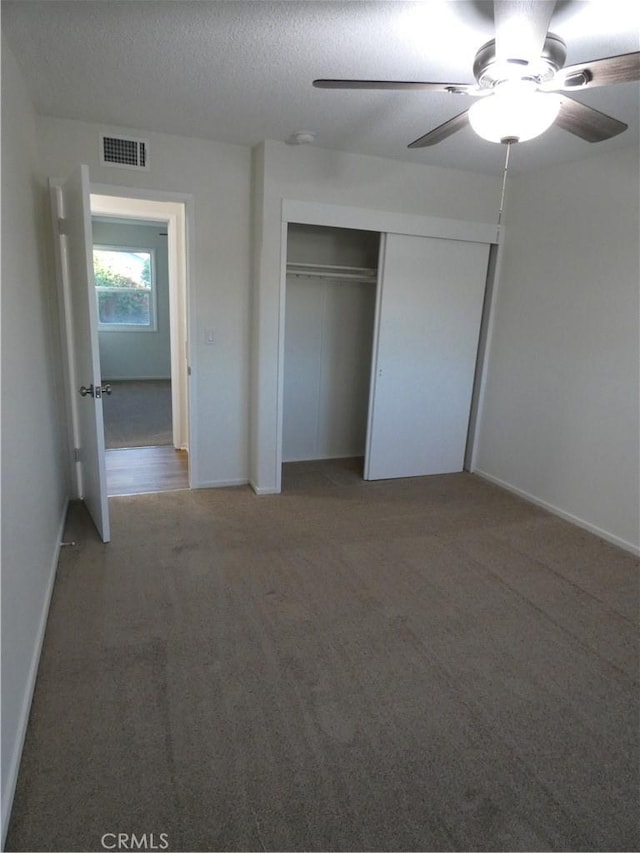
(514, 112)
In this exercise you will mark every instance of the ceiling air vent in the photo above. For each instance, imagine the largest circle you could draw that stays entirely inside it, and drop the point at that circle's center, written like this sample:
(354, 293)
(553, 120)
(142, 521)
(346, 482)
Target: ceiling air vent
(124, 152)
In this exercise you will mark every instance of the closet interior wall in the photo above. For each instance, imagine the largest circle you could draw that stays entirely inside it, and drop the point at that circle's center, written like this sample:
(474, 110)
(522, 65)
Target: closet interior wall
(329, 326)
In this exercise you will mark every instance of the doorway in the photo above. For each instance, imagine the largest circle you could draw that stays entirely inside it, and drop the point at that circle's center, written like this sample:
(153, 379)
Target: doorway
(142, 343)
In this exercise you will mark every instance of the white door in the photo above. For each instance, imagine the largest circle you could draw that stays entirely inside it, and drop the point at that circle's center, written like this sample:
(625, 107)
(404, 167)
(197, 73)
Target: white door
(72, 200)
(429, 315)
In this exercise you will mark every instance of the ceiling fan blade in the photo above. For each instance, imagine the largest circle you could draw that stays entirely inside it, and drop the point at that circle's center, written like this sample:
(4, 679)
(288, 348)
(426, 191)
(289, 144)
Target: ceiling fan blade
(521, 29)
(455, 88)
(586, 122)
(601, 72)
(442, 131)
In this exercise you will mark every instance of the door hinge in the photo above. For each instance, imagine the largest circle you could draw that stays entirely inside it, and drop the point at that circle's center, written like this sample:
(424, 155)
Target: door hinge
(76, 454)
(62, 226)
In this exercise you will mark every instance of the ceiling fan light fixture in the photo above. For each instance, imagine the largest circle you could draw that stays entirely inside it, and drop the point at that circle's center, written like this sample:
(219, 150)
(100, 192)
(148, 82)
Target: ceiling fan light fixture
(515, 112)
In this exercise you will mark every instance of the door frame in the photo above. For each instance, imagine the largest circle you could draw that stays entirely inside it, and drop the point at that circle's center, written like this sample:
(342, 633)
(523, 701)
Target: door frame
(360, 219)
(175, 210)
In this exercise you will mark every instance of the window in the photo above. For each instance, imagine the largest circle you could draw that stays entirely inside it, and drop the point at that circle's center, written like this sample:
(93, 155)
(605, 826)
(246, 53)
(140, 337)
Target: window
(125, 289)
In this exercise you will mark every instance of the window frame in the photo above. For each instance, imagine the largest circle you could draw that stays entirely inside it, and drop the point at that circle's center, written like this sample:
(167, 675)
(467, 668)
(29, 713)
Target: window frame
(153, 302)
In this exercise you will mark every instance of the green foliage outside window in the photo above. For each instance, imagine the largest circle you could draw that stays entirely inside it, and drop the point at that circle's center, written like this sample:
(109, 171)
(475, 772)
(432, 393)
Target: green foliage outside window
(123, 300)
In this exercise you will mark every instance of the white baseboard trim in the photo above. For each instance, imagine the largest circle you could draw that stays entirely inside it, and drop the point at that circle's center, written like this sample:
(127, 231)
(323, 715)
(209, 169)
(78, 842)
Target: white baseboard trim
(324, 457)
(137, 379)
(266, 491)
(219, 484)
(567, 516)
(14, 764)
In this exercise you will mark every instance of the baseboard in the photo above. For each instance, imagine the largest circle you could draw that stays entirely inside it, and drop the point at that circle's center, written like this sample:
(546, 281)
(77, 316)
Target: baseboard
(326, 458)
(219, 484)
(12, 776)
(137, 379)
(567, 516)
(263, 491)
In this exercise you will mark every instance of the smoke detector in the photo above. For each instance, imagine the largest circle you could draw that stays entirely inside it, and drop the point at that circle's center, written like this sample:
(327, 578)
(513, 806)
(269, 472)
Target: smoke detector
(302, 137)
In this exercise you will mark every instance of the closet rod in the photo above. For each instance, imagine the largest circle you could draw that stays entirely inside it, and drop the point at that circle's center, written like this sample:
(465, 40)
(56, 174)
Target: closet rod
(332, 271)
(344, 276)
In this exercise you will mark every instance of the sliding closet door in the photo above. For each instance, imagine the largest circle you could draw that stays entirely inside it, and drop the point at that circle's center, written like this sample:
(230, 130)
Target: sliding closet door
(427, 338)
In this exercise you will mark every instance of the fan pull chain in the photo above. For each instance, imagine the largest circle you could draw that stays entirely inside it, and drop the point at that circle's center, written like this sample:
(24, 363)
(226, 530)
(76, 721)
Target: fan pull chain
(504, 181)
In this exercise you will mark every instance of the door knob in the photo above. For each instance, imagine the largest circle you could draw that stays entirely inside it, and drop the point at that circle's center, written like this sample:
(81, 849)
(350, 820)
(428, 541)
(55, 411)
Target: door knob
(98, 391)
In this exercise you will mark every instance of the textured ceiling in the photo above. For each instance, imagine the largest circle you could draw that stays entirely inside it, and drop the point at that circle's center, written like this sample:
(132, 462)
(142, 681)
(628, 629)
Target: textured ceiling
(241, 72)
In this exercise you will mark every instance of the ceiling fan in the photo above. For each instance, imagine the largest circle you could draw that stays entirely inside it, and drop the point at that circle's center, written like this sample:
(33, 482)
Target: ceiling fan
(520, 77)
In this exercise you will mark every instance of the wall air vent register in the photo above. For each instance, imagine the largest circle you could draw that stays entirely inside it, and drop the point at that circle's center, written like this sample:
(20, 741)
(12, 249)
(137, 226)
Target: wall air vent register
(124, 152)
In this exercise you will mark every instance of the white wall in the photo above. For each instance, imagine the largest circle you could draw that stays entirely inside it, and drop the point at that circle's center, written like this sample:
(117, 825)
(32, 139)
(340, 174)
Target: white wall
(560, 414)
(138, 354)
(332, 177)
(218, 178)
(34, 487)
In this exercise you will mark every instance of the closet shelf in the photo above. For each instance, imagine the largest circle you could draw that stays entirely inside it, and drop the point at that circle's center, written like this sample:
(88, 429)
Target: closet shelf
(333, 271)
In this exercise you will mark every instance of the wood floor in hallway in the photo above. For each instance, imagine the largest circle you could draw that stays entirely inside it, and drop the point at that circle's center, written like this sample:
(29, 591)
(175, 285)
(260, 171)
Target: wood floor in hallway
(139, 470)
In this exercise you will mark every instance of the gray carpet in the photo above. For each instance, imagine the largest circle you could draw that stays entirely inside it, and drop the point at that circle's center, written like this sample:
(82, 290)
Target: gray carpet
(138, 413)
(424, 664)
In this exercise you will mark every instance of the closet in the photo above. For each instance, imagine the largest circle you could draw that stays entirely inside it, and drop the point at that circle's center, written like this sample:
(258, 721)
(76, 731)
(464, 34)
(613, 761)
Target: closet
(329, 327)
(380, 348)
